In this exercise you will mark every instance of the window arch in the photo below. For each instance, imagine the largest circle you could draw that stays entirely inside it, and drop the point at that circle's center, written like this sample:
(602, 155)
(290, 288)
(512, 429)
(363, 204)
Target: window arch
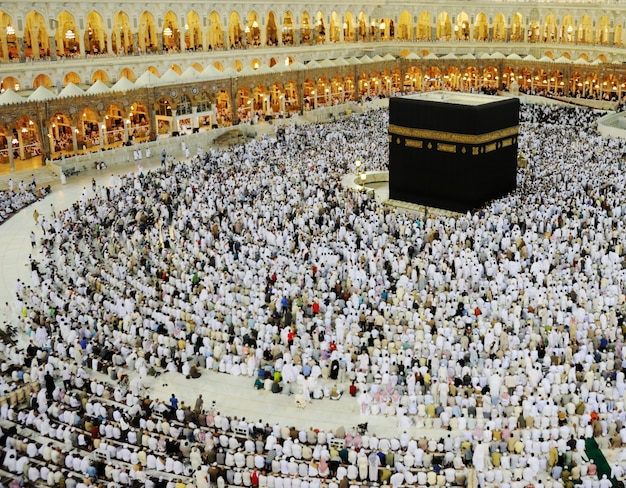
(499, 30)
(444, 27)
(481, 28)
(405, 27)
(36, 37)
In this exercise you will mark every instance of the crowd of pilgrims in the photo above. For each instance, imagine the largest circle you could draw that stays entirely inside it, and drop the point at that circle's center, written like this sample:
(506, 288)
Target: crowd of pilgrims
(14, 199)
(503, 327)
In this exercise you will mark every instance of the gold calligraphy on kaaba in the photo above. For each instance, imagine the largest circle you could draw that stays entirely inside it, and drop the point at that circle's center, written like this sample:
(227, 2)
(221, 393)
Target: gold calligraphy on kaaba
(452, 137)
(442, 146)
(413, 143)
(448, 141)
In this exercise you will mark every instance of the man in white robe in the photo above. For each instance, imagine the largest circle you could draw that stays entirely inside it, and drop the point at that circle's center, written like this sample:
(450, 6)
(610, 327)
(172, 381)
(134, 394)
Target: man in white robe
(479, 457)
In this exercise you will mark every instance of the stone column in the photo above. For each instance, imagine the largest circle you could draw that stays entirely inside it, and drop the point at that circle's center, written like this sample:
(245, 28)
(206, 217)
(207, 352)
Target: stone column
(154, 126)
(118, 41)
(34, 42)
(192, 40)
(20, 49)
(175, 127)
(225, 37)
(134, 42)
(10, 151)
(44, 141)
(20, 144)
(74, 141)
(51, 139)
(53, 48)
(80, 38)
(109, 46)
(103, 132)
(234, 108)
(181, 34)
(5, 44)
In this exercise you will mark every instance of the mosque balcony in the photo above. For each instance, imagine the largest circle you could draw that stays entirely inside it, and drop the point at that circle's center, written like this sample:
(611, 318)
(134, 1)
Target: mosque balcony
(112, 65)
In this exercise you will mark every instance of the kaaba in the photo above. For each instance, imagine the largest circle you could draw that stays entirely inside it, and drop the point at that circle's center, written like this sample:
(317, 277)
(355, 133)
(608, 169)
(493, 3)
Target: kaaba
(453, 151)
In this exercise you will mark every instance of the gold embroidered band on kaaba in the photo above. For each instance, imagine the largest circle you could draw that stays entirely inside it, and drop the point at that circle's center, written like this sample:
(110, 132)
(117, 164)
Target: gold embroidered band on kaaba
(439, 135)
(447, 141)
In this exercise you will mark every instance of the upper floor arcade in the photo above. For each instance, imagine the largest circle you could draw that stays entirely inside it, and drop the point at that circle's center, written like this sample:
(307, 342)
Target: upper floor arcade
(53, 30)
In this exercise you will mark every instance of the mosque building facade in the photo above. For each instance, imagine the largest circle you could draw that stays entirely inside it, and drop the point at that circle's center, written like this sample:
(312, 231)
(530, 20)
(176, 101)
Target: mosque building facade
(84, 77)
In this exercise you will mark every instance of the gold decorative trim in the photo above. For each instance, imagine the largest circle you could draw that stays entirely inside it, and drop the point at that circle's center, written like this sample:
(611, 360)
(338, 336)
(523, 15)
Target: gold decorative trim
(453, 137)
(414, 143)
(453, 148)
(443, 147)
